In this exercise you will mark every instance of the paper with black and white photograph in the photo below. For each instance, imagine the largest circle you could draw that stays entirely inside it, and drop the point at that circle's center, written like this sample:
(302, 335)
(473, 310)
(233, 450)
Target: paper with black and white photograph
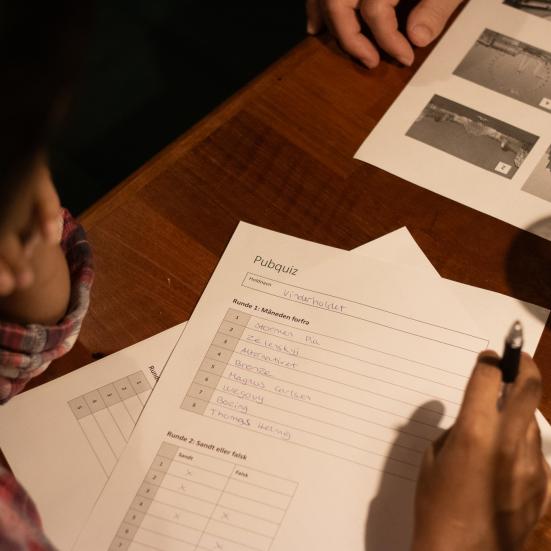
(472, 136)
(474, 123)
(539, 182)
(510, 67)
(541, 8)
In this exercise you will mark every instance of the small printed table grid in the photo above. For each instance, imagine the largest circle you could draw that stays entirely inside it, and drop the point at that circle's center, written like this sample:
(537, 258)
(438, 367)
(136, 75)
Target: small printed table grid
(340, 398)
(190, 500)
(108, 415)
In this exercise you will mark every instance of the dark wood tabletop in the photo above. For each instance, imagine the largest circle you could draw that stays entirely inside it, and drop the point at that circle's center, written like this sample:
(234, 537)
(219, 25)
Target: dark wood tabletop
(279, 154)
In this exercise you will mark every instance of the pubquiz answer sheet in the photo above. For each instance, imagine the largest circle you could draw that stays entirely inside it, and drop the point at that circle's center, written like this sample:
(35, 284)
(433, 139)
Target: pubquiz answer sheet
(308, 382)
(474, 123)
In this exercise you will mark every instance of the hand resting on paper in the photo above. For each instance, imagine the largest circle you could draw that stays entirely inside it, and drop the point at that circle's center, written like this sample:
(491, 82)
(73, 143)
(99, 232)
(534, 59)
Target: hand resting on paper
(344, 17)
(485, 483)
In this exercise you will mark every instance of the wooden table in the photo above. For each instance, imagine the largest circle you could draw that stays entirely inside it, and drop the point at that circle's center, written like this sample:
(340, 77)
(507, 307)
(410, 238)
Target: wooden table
(279, 154)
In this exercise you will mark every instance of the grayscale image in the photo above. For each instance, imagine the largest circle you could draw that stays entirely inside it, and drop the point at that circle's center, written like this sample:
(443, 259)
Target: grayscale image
(541, 8)
(510, 67)
(539, 182)
(472, 136)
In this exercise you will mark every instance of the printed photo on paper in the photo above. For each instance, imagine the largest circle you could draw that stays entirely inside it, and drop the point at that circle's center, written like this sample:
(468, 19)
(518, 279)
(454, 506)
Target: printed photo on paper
(540, 8)
(539, 182)
(510, 67)
(472, 136)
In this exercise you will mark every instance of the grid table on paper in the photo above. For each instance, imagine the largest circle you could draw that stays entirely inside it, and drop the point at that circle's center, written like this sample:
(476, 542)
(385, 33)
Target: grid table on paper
(108, 414)
(190, 500)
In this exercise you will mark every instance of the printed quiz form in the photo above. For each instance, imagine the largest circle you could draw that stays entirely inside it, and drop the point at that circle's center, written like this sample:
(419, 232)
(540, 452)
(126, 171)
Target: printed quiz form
(307, 384)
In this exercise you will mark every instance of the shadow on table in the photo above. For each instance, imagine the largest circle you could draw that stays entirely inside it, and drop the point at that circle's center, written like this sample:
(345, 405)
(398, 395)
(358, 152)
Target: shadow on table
(389, 525)
(528, 266)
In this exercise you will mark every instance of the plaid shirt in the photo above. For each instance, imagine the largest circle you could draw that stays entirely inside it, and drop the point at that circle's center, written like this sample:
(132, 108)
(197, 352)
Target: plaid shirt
(25, 352)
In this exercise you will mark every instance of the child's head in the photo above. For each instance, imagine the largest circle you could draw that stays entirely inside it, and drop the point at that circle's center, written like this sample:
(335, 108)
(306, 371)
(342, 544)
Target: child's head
(40, 51)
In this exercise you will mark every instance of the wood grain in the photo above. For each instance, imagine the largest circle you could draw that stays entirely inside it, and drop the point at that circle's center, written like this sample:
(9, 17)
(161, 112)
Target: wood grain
(279, 154)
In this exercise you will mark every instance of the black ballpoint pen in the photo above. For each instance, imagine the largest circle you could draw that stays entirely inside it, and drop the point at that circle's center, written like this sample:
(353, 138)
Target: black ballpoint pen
(510, 361)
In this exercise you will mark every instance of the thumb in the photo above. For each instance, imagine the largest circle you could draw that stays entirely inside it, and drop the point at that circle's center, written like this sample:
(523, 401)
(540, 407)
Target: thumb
(428, 19)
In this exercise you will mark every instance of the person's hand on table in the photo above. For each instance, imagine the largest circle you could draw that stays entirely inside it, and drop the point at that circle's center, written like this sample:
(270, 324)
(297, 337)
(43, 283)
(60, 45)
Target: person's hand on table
(343, 17)
(485, 483)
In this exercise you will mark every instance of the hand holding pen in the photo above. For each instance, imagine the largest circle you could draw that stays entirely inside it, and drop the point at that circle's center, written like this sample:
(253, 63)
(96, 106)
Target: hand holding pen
(484, 483)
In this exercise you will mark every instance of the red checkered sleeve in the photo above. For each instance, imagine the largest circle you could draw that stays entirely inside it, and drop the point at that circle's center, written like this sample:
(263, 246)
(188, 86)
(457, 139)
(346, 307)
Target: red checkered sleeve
(27, 350)
(20, 526)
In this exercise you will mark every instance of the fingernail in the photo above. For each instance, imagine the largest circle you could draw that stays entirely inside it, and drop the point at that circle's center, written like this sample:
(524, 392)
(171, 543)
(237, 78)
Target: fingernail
(6, 283)
(310, 27)
(421, 35)
(369, 63)
(406, 60)
(24, 279)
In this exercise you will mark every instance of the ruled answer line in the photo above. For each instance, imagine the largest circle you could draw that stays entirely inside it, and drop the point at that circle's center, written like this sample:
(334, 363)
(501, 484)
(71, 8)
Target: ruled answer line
(324, 423)
(239, 527)
(164, 536)
(193, 467)
(145, 545)
(246, 529)
(188, 496)
(168, 473)
(428, 440)
(366, 306)
(311, 434)
(315, 347)
(217, 489)
(318, 450)
(216, 506)
(159, 549)
(196, 545)
(249, 343)
(222, 460)
(434, 397)
(293, 327)
(355, 402)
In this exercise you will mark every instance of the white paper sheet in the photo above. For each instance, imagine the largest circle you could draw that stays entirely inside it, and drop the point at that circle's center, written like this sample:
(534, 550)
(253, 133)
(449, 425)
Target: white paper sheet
(273, 424)
(494, 60)
(492, 311)
(51, 485)
(63, 439)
